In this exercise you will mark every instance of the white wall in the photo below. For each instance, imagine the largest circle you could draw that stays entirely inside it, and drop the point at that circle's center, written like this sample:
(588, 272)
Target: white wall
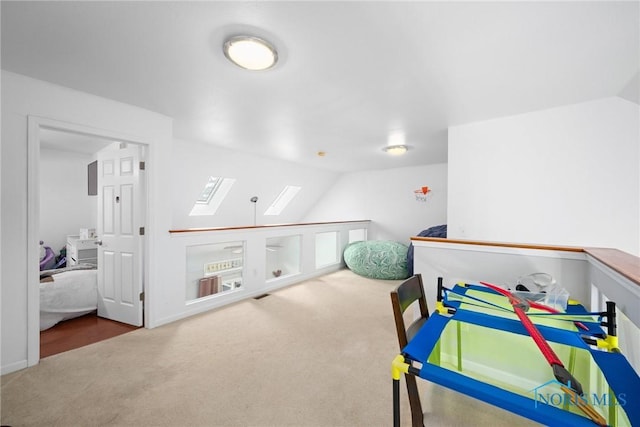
(388, 198)
(23, 97)
(298, 258)
(194, 162)
(501, 266)
(567, 176)
(65, 205)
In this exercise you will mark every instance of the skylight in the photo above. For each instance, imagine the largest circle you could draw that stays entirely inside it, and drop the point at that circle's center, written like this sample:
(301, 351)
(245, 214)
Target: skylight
(212, 195)
(209, 190)
(282, 200)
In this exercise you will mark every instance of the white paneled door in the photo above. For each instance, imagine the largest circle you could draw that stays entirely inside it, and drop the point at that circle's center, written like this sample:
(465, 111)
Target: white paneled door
(119, 234)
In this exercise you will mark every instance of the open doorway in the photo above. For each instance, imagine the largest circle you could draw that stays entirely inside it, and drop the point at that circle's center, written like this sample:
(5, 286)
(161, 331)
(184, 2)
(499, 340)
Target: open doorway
(63, 210)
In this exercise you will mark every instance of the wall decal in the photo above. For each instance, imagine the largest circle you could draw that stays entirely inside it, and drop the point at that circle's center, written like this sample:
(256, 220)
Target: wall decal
(421, 194)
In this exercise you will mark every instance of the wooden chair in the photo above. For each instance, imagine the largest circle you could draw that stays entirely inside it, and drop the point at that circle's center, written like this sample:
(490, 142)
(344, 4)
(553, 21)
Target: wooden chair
(408, 292)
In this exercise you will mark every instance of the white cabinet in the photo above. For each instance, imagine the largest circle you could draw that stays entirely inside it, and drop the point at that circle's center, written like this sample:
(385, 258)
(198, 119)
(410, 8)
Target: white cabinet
(81, 251)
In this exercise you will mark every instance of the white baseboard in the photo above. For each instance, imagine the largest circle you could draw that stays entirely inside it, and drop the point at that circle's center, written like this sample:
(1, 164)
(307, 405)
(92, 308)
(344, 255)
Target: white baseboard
(206, 304)
(12, 367)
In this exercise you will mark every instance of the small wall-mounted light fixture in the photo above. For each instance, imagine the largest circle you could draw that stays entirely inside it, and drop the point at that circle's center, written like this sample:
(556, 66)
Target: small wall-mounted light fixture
(254, 200)
(251, 53)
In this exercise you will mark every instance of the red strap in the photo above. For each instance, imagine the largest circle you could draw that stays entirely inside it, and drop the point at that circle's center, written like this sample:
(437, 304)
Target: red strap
(532, 304)
(542, 344)
(498, 289)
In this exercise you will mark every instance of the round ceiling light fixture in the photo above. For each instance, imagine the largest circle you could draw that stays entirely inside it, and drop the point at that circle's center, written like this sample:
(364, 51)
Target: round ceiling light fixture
(396, 150)
(251, 53)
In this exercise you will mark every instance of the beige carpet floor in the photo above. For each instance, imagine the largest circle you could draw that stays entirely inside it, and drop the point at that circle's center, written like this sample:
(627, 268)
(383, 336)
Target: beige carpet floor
(313, 354)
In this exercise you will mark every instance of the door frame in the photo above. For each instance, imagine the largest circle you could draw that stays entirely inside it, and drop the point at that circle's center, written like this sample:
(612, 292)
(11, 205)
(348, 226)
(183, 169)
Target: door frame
(35, 123)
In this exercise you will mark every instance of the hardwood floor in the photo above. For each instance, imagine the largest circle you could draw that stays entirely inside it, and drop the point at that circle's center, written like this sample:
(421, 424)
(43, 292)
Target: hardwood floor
(78, 332)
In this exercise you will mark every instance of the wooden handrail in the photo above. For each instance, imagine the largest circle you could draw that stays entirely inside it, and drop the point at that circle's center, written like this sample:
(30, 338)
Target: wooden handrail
(621, 262)
(250, 227)
(500, 244)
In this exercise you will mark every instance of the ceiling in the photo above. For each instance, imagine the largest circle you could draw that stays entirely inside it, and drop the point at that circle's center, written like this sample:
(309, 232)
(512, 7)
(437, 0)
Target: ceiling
(349, 73)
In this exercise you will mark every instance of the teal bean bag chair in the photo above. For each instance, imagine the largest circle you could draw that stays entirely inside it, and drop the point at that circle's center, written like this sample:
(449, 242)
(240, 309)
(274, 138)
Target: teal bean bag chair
(377, 259)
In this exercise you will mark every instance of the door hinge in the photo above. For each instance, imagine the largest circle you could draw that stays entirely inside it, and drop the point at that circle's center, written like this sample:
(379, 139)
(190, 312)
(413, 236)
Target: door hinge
(142, 231)
(141, 296)
(142, 165)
